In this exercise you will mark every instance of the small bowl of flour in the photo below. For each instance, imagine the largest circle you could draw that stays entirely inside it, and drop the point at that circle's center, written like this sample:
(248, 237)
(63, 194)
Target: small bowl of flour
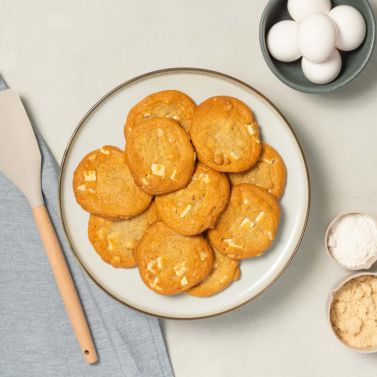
(351, 240)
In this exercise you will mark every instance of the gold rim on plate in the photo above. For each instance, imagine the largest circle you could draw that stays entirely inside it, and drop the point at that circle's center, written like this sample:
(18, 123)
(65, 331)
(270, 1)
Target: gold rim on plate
(162, 72)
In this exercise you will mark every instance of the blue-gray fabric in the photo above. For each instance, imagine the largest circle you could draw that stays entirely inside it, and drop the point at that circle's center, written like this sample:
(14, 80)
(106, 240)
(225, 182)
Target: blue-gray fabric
(36, 338)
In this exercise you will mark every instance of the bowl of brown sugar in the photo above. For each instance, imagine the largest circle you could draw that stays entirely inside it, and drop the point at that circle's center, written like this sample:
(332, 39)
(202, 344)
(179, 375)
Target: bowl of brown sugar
(352, 312)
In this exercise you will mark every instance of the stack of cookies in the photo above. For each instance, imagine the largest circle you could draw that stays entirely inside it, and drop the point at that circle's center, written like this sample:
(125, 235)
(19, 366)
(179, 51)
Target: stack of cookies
(194, 193)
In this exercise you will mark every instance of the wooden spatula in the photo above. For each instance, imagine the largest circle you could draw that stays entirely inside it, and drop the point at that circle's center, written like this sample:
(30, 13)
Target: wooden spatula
(20, 161)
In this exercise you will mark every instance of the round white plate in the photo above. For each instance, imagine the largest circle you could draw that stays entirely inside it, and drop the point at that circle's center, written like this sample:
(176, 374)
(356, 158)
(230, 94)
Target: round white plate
(103, 124)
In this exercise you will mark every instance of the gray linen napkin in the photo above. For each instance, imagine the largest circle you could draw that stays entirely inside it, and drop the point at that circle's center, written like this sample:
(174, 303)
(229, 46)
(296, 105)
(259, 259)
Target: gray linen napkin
(36, 338)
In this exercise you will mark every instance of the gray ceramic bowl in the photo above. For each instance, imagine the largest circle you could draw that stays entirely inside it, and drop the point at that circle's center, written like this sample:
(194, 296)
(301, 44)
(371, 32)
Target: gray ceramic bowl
(291, 73)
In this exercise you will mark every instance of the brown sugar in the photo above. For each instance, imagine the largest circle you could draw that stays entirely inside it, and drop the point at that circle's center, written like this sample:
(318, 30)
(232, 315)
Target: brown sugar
(353, 312)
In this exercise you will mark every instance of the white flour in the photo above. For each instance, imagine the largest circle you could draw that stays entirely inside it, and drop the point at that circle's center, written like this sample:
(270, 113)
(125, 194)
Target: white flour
(352, 240)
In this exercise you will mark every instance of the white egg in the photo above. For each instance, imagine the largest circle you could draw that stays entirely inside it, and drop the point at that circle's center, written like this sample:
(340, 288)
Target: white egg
(351, 27)
(316, 37)
(325, 72)
(299, 9)
(282, 41)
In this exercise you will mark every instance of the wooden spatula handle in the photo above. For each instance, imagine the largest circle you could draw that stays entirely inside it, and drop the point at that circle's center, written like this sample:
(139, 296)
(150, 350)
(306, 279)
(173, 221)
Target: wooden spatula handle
(65, 283)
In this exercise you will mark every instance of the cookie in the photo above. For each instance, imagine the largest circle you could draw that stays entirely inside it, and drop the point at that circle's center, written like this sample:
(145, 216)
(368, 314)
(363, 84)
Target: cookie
(166, 104)
(248, 225)
(103, 185)
(224, 272)
(225, 134)
(115, 241)
(169, 262)
(269, 172)
(160, 156)
(197, 206)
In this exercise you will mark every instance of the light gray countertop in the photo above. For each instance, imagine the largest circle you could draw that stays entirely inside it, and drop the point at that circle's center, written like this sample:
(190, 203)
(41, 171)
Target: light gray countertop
(63, 55)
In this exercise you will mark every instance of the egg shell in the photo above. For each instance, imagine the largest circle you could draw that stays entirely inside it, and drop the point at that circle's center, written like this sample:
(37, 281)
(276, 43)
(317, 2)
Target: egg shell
(299, 9)
(325, 72)
(350, 25)
(316, 37)
(282, 41)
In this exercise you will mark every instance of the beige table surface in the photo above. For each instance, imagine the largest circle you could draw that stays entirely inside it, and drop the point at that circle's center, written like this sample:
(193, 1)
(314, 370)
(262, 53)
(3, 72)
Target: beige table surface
(63, 55)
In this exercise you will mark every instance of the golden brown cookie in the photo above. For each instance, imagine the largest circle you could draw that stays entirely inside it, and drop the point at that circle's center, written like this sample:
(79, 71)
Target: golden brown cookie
(225, 134)
(160, 156)
(115, 241)
(166, 104)
(248, 225)
(169, 262)
(103, 185)
(224, 272)
(269, 172)
(197, 206)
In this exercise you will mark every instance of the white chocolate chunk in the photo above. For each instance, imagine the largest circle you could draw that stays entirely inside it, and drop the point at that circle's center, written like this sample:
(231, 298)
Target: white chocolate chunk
(158, 169)
(270, 235)
(234, 155)
(247, 221)
(159, 262)
(180, 269)
(104, 151)
(130, 244)
(110, 245)
(159, 132)
(173, 175)
(259, 217)
(204, 178)
(231, 243)
(154, 284)
(202, 256)
(268, 161)
(151, 265)
(186, 211)
(250, 129)
(90, 176)
(175, 117)
(184, 281)
(81, 188)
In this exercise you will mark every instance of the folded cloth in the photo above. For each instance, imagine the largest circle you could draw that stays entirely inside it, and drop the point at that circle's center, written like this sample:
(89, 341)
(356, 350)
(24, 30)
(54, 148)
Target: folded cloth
(36, 338)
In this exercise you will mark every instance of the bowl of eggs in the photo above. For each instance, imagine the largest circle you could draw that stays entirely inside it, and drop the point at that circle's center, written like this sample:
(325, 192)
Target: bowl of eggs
(317, 46)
